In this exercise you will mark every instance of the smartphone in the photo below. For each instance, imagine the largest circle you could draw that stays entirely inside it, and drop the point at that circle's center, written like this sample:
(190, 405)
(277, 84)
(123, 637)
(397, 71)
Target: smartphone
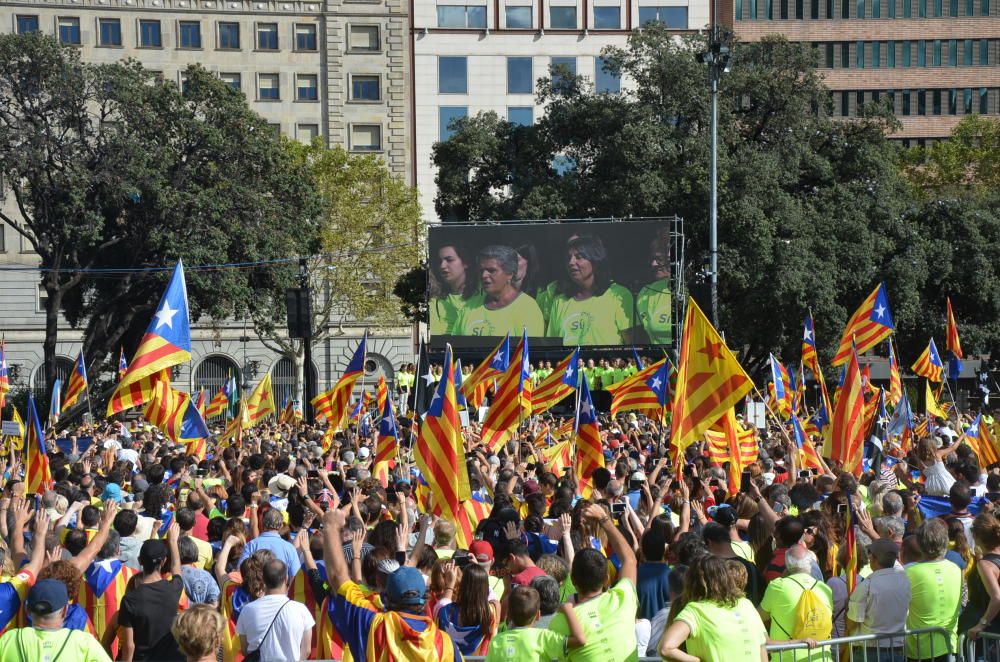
(391, 495)
(841, 508)
(617, 510)
(745, 481)
(805, 473)
(200, 473)
(635, 485)
(313, 473)
(462, 560)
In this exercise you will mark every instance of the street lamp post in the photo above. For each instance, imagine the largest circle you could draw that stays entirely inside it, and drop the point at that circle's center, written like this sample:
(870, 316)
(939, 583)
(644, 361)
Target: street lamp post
(310, 387)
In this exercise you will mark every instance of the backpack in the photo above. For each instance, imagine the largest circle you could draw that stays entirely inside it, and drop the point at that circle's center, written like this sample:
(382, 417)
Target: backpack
(813, 618)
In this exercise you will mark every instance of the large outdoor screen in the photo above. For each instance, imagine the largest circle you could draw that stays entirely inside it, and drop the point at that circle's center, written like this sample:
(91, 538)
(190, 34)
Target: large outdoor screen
(568, 283)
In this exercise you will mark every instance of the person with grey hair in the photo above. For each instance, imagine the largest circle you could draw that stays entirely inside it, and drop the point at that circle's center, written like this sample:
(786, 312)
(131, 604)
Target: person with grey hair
(880, 602)
(936, 594)
(781, 598)
(270, 539)
(892, 528)
(548, 604)
(504, 309)
(892, 505)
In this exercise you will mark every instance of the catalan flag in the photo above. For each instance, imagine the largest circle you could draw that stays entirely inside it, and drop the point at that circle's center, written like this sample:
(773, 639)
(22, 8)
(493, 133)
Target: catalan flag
(808, 457)
(729, 442)
(901, 423)
(440, 452)
(493, 367)
(978, 437)
(174, 414)
(292, 412)
(869, 325)
(460, 400)
(784, 387)
(895, 381)
(55, 403)
(260, 404)
(710, 381)
(101, 592)
(560, 384)
(931, 405)
(589, 453)
(816, 425)
(225, 397)
(332, 405)
(37, 476)
(512, 402)
(953, 343)
(122, 363)
(199, 402)
(847, 442)
(810, 355)
(387, 444)
(558, 456)
(929, 364)
(77, 383)
(237, 426)
(167, 343)
(381, 393)
(4, 376)
(635, 393)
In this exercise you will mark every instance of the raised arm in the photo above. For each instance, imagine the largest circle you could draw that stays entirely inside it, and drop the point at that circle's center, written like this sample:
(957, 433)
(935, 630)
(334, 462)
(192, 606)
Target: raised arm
(173, 535)
(619, 545)
(38, 549)
(83, 560)
(333, 554)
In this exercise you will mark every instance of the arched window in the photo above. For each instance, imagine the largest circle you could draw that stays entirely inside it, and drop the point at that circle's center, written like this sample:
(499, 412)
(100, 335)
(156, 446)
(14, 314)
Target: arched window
(213, 372)
(63, 367)
(283, 380)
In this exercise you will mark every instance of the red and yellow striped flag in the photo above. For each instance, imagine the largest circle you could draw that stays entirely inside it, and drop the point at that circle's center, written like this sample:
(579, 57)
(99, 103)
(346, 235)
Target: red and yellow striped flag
(260, 404)
(848, 425)
(37, 476)
(895, 381)
(558, 456)
(870, 324)
(508, 409)
(929, 364)
(332, 405)
(479, 381)
(589, 453)
(634, 393)
(381, 393)
(558, 385)
(77, 383)
(137, 393)
(710, 381)
(236, 427)
(952, 343)
(729, 442)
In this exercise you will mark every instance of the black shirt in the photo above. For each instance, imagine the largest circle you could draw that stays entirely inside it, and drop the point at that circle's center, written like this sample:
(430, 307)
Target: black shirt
(149, 609)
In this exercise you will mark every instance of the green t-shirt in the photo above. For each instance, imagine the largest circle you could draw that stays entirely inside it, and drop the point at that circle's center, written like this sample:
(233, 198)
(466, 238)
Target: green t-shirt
(781, 599)
(594, 321)
(544, 297)
(444, 312)
(481, 321)
(935, 601)
(654, 307)
(526, 644)
(44, 645)
(609, 624)
(720, 634)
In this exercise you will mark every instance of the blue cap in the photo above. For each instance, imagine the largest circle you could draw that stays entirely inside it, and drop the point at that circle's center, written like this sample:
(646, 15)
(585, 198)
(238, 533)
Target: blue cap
(47, 597)
(112, 492)
(405, 588)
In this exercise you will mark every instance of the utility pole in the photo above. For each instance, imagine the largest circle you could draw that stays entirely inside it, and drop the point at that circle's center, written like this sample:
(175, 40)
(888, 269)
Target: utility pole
(305, 310)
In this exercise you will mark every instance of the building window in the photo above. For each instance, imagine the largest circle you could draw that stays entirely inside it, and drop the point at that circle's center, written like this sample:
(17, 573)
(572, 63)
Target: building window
(953, 8)
(952, 52)
(610, 18)
(783, 9)
(860, 11)
(69, 30)
(149, 34)
(110, 30)
(814, 9)
(461, 16)
(447, 115)
(519, 76)
(190, 34)
(185, 83)
(769, 9)
(876, 54)
(518, 18)
(829, 55)
(922, 8)
(891, 6)
(829, 9)
(268, 87)
(967, 52)
(906, 53)
(675, 18)
(859, 103)
(738, 11)
(845, 104)
(859, 55)
(275, 129)
(798, 9)
(891, 96)
(984, 7)
(305, 40)
(984, 105)
(907, 8)
(953, 101)
(921, 53)
(306, 87)
(890, 55)
(921, 102)
(936, 101)
(877, 8)
(563, 70)
(984, 52)
(967, 100)
(267, 36)
(453, 75)
(27, 23)
(605, 81)
(938, 8)
(364, 38)
(562, 18)
(753, 9)
(229, 36)
(306, 133)
(366, 88)
(233, 80)
(937, 52)
(845, 55)
(521, 115)
(905, 107)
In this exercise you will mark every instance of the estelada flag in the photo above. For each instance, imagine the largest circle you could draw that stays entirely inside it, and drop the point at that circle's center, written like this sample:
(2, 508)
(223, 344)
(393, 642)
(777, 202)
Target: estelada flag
(953, 344)
(979, 439)
(475, 386)
(643, 391)
(929, 364)
(387, 444)
(729, 442)
(333, 404)
(37, 476)
(167, 343)
(784, 387)
(558, 385)
(709, 381)
(512, 402)
(895, 381)
(810, 357)
(589, 453)
(4, 376)
(77, 383)
(848, 425)
(870, 324)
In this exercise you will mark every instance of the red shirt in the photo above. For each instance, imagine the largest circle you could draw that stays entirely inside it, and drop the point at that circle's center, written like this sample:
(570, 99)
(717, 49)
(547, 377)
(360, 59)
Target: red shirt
(524, 577)
(200, 529)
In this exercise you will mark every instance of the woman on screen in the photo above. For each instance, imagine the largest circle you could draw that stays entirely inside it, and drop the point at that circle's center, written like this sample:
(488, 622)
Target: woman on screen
(453, 289)
(505, 308)
(654, 304)
(589, 309)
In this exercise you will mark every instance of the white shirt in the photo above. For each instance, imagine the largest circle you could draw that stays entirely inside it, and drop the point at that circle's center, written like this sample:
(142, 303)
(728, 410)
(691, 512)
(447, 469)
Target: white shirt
(284, 643)
(129, 455)
(880, 603)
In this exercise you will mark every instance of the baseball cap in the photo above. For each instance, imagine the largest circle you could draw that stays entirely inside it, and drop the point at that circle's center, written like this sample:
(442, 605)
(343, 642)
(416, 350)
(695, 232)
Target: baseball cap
(405, 587)
(152, 551)
(363, 453)
(481, 550)
(531, 487)
(47, 597)
(112, 492)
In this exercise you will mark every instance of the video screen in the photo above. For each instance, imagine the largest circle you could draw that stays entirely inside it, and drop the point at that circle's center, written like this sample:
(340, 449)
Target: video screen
(575, 283)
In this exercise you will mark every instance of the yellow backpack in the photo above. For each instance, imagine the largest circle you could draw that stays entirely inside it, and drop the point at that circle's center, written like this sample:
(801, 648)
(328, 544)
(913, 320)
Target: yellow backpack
(813, 618)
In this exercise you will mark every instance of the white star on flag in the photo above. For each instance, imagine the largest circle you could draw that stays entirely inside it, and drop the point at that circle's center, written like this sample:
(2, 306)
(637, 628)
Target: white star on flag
(655, 384)
(585, 409)
(880, 311)
(165, 315)
(569, 372)
(808, 335)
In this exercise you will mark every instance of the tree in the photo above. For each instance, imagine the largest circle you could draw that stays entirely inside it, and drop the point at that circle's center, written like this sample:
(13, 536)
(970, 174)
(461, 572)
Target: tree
(966, 164)
(809, 206)
(411, 290)
(369, 230)
(117, 174)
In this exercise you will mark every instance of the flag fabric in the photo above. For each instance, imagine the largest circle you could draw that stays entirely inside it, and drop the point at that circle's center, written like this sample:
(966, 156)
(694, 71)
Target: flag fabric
(848, 426)
(260, 404)
(423, 384)
(460, 400)
(558, 385)
(77, 383)
(895, 381)
(220, 402)
(558, 457)
(122, 363)
(381, 393)
(869, 325)
(4, 376)
(730, 442)
(635, 357)
(978, 437)
(332, 405)
(808, 457)
(16, 442)
(174, 413)
(931, 405)
(784, 387)
(816, 425)
(291, 413)
(37, 476)
(810, 355)
(167, 342)
(929, 364)
(635, 393)
(386, 445)
(440, 452)
(589, 454)
(136, 393)
(709, 381)
(237, 426)
(55, 403)
(952, 342)
(514, 392)
(901, 423)
(199, 402)
(493, 367)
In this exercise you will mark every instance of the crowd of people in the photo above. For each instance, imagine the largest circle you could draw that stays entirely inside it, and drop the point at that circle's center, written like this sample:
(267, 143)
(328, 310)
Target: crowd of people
(279, 548)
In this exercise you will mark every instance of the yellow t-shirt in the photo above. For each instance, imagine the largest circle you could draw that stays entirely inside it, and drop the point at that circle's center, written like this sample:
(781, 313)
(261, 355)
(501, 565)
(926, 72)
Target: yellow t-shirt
(609, 624)
(743, 550)
(594, 321)
(526, 643)
(544, 297)
(721, 634)
(654, 306)
(444, 312)
(37, 644)
(935, 601)
(781, 600)
(481, 321)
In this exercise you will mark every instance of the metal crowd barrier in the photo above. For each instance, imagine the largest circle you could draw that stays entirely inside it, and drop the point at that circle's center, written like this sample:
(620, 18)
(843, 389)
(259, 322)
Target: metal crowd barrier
(985, 648)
